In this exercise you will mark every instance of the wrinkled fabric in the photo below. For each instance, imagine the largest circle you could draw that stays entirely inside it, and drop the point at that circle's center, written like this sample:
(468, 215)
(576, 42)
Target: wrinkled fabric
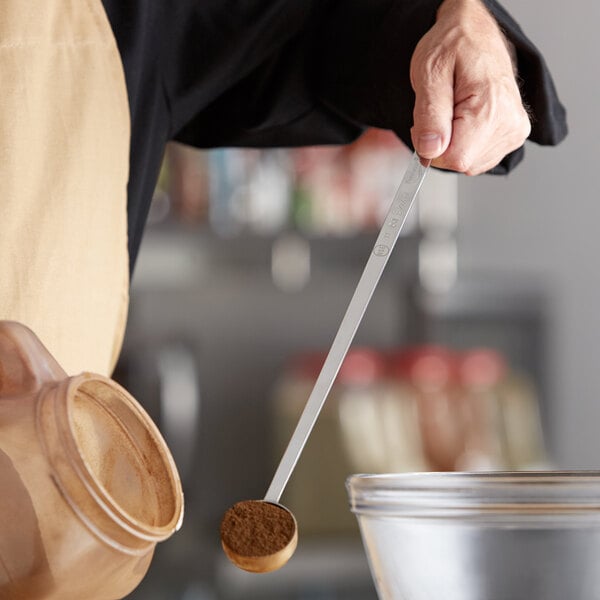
(64, 159)
(262, 73)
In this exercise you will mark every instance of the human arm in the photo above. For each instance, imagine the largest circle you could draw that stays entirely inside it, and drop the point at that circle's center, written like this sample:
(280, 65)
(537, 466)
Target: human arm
(263, 73)
(338, 67)
(393, 99)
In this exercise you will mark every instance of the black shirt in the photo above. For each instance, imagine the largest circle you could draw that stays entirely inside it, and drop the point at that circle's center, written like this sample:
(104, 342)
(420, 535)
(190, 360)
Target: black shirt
(262, 73)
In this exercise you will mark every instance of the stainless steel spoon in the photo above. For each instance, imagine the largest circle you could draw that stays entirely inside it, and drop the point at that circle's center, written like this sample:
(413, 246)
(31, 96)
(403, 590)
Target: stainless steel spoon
(388, 235)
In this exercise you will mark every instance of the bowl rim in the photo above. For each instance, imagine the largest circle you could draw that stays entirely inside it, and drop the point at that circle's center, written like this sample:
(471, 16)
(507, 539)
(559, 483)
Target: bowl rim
(534, 494)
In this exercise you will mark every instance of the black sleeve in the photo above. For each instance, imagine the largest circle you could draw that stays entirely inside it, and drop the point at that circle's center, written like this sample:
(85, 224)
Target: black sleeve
(290, 72)
(548, 116)
(245, 74)
(282, 73)
(372, 85)
(549, 124)
(302, 71)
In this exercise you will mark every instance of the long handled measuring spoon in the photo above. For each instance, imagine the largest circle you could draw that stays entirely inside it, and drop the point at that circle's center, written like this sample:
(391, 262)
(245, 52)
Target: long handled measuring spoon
(261, 535)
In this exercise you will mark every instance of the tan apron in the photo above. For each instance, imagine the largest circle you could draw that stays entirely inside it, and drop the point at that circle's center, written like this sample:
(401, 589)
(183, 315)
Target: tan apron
(64, 161)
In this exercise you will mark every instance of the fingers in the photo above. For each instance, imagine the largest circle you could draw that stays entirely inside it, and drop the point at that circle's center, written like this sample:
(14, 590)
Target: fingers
(468, 111)
(489, 124)
(432, 79)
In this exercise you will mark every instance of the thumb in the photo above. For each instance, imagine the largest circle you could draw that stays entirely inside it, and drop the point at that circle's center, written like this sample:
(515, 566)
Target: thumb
(434, 107)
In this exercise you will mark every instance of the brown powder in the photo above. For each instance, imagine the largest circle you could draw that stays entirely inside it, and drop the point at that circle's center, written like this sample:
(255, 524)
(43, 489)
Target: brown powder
(257, 528)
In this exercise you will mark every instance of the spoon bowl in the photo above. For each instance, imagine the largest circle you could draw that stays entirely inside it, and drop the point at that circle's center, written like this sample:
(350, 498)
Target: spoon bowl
(259, 536)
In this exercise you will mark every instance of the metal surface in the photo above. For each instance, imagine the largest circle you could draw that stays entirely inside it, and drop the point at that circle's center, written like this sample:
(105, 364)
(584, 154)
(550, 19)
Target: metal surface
(390, 230)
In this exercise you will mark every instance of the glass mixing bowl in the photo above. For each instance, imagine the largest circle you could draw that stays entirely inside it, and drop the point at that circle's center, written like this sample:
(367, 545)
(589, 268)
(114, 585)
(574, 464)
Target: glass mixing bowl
(481, 536)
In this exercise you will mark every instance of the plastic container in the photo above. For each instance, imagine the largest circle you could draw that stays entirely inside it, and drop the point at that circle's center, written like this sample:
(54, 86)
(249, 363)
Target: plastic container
(88, 484)
(481, 536)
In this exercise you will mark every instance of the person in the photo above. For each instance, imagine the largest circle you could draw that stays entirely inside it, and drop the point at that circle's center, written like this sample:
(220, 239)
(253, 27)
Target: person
(94, 90)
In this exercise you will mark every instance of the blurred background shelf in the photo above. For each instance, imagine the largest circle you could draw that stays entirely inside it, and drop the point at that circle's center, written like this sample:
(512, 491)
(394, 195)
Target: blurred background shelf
(227, 295)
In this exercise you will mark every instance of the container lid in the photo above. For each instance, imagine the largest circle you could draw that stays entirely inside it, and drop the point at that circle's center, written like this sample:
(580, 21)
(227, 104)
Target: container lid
(110, 462)
(524, 495)
(424, 365)
(481, 368)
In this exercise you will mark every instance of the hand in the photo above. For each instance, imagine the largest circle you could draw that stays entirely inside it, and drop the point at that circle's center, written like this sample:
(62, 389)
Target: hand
(468, 112)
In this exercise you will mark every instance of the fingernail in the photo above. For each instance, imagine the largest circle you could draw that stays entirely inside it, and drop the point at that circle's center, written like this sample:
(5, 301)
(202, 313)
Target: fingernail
(430, 144)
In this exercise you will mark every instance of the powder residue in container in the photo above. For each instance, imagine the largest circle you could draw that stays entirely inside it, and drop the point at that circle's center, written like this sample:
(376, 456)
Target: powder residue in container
(257, 528)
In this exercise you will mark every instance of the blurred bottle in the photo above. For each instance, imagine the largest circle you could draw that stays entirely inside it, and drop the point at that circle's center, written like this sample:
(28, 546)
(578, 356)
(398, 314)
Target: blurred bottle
(481, 372)
(431, 372)
(227, 190)
(188, 183)
(269, 192)
(522, 423)
(363, 400)
(345, 190)
(400, 416)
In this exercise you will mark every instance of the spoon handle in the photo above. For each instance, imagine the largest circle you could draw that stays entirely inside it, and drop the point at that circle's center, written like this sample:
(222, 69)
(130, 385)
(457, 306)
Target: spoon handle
(390, 230)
